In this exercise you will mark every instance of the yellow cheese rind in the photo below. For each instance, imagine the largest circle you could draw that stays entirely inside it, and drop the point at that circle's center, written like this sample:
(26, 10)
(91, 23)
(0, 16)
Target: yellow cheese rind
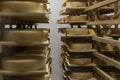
(14, 64)
(22, 6)
(82, 75)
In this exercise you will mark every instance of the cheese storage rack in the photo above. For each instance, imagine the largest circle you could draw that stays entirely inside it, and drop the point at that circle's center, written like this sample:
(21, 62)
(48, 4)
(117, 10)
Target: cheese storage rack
(91, 46)
(24, 47)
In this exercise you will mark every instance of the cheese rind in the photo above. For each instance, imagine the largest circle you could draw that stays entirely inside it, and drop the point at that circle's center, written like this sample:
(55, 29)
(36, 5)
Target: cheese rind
(80, 46)
(26, 36)
(22, 6)
(82, 75)
(80, 61)
(76, 4)
(23, 64)
(76, 19)
(76, 31)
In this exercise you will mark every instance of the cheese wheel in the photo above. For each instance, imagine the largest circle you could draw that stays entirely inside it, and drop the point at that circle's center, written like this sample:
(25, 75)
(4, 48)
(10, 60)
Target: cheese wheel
(15, 64)
(76, 19)
(80, 46)
(76, 31)
(80, 61)
(22, 6)
(82, 75)
(26, 35)
(75, 4)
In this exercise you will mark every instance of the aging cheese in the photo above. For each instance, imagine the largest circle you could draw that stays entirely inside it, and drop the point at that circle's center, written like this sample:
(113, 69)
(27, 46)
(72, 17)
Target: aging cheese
(14, 64)
(22, 6)
(26, 36)
(76, 19)
(80, 46)
(82, 75)
(75, 4)
(80, 61)
(76, 31)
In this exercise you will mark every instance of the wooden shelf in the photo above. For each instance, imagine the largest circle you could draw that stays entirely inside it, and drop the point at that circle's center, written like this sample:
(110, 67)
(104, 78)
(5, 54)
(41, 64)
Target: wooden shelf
(108, 60)
(23, 17)
(103, 74)
(43, 1)
(92, 50)
(81, 10)
(78, 36)
(11, 73)
(107, 41)
(104, 22)
(100, 4)
(25, 44)
(115, 36)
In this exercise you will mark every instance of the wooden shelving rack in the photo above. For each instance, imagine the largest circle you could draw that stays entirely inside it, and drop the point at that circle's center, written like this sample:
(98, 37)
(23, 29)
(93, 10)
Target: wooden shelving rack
(24, 48)
(97, 24)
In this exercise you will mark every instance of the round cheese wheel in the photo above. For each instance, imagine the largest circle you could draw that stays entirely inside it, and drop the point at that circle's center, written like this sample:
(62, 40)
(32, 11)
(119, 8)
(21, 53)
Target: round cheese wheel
(15, 64)
(80, 46)
(76, 4)
(82, 75)
(22, 6)
(76, 18)
(80, 61)
(76, 31)
(26, 36)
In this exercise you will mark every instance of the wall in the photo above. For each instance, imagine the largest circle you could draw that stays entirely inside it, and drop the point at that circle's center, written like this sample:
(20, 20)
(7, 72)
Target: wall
(55, 6)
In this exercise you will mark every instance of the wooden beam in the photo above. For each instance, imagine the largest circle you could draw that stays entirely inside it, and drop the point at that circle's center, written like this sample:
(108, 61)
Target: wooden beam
(24, 44)
(100, 4)
(107, 41)
(42, 1)
(108, 60)
(11, 73)
(103, 74)
(104, 22)
(117, 15)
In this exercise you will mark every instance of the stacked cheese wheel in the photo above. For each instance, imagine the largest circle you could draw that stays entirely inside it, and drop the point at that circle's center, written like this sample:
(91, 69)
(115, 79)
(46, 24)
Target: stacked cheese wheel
(25, 48)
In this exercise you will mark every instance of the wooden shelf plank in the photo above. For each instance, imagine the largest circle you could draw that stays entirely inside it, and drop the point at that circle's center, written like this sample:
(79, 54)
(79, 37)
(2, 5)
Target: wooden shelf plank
(100, 4)
(24, 44)
(107, 41)
(74, 22)
(104, 22)
(43, 1)
(103, 74)
(38, 72)
(78, 36)
(92, 50)
(108, 60)
(81, 10)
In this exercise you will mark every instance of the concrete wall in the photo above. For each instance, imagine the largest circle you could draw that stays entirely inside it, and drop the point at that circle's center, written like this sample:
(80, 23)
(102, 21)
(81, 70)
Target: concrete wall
(55, 6)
